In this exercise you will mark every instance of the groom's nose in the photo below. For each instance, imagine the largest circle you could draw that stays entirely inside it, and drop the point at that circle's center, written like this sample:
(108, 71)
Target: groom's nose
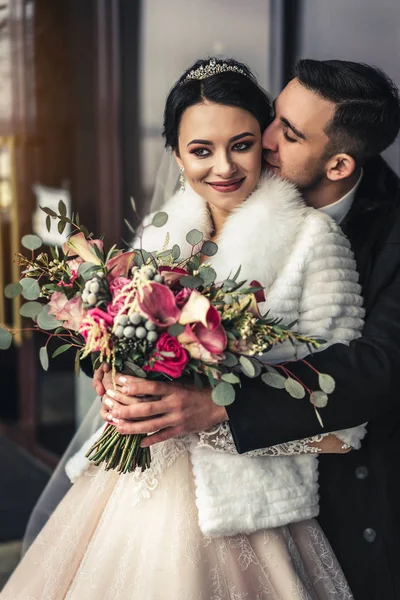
(270, 139)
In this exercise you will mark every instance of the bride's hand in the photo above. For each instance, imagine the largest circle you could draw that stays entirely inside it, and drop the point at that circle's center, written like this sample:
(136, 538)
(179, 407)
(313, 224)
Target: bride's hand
(331, 445)
(178, 410)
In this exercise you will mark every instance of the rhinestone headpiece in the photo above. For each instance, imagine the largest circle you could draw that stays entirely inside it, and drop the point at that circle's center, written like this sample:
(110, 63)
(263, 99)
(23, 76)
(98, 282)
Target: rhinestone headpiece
(212, 68)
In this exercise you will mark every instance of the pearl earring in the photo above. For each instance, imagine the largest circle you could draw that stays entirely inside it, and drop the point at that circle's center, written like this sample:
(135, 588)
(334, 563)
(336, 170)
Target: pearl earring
(182, 179)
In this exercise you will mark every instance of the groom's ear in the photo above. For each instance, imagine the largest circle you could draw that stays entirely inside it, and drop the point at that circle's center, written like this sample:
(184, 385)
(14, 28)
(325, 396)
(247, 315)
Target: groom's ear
(340, 166)
(178, 158)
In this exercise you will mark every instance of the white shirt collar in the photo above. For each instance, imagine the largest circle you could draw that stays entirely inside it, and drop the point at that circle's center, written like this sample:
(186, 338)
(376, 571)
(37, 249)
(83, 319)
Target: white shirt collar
(339, 209)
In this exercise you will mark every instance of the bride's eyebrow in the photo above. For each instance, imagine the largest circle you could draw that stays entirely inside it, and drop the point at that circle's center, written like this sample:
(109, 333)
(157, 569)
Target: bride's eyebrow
(232, 139)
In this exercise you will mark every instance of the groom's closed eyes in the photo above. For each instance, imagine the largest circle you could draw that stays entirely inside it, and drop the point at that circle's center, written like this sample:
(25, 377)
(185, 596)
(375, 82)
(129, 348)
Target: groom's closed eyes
(290, 127)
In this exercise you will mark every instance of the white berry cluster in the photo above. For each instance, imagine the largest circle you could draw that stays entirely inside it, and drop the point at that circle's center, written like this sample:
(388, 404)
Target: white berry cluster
(135, 327)
(90, 293)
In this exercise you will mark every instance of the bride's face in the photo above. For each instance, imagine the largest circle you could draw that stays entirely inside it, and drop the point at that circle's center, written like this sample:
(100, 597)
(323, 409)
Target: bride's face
(220, 150)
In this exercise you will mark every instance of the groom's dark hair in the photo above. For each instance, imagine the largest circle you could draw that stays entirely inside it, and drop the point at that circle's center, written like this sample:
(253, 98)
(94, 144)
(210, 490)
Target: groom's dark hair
(367, 115)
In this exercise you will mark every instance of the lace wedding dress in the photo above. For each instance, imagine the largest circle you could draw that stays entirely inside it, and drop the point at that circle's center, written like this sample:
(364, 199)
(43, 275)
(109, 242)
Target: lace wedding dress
(136, 536)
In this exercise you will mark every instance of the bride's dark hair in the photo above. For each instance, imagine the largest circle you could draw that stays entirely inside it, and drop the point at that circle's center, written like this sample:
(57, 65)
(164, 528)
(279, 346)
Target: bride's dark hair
(232, 88)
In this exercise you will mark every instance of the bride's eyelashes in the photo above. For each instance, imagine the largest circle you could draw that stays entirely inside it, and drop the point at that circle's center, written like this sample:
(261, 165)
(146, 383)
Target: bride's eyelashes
(205, 152)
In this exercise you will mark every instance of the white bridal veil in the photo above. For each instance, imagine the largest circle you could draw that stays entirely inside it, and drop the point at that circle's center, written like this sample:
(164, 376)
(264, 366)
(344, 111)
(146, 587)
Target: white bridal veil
(167, 181)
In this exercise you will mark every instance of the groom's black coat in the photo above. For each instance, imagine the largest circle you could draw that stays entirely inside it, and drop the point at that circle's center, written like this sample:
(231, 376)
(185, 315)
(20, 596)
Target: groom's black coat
(359, 491)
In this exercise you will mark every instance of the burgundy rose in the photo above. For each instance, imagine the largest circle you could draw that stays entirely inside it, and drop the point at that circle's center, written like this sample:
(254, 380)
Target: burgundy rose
(174, 363)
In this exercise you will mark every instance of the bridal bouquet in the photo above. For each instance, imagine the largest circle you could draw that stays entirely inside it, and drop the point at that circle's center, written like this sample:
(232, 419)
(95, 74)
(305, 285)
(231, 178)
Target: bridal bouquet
(152, 315)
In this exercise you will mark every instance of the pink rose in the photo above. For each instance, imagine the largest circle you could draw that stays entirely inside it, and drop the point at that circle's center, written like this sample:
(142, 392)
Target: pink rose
(57, 302)
(170, 365)
(117, 284)
(69, 311)
(102, 322)
(115, 308)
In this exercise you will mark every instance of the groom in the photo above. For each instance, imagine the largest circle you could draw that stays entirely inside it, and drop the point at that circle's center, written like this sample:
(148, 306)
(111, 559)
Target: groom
(331, 123)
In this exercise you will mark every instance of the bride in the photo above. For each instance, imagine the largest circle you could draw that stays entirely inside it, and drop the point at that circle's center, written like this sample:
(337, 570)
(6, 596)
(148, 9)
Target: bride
(204, 523)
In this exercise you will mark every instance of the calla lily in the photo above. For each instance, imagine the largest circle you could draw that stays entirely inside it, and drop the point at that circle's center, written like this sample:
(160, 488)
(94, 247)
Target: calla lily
(172, 275)
(198, 309)
(119, 265)
(78, 245)
(260, 295)
(203, 344)
(157, 303)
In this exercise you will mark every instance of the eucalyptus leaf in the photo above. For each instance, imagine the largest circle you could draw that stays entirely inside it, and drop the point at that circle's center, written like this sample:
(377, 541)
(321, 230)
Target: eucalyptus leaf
(208, 275)
(44, 358)
(223, 394)
(175, 252)
(230, 378)
(319, 399)
(229, 285)
(274, 380)
(77, 363)
(87, 270)
(248, 367)
(272, 369)
(31, 242)
(46, 321)
(191, 282)
(12, 290)
(133, 204)
(176, 329)
(141, 257)
(62, 208)
(163, 254)
(294, 388)
(30, 309)
(61, 350)
(48, 211)
(194, 237)
(129, 226)
(237, 273)
(30, 288)
(326, 383)
(136, 371)
(251, 290)
(5, 339)
(209, 248)
(61, 226)
(230, 360)
(159, 219)
(48, 222)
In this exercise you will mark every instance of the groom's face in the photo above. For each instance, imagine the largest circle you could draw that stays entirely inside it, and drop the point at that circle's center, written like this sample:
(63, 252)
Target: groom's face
(294, 144)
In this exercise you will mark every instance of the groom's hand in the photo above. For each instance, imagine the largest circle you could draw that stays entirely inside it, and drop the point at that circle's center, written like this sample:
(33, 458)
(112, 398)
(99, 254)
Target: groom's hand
(98, 376)
(173, 409)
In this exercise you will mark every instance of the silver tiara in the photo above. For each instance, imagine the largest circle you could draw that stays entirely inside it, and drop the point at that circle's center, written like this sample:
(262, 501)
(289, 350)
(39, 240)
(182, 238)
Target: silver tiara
(212, 68)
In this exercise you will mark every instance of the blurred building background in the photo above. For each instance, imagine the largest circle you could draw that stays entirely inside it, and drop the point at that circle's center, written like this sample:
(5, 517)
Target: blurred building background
(82, 90)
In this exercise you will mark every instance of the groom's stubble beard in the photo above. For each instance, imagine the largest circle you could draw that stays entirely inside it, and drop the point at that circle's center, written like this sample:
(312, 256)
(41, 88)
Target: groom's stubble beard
(307, 180)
